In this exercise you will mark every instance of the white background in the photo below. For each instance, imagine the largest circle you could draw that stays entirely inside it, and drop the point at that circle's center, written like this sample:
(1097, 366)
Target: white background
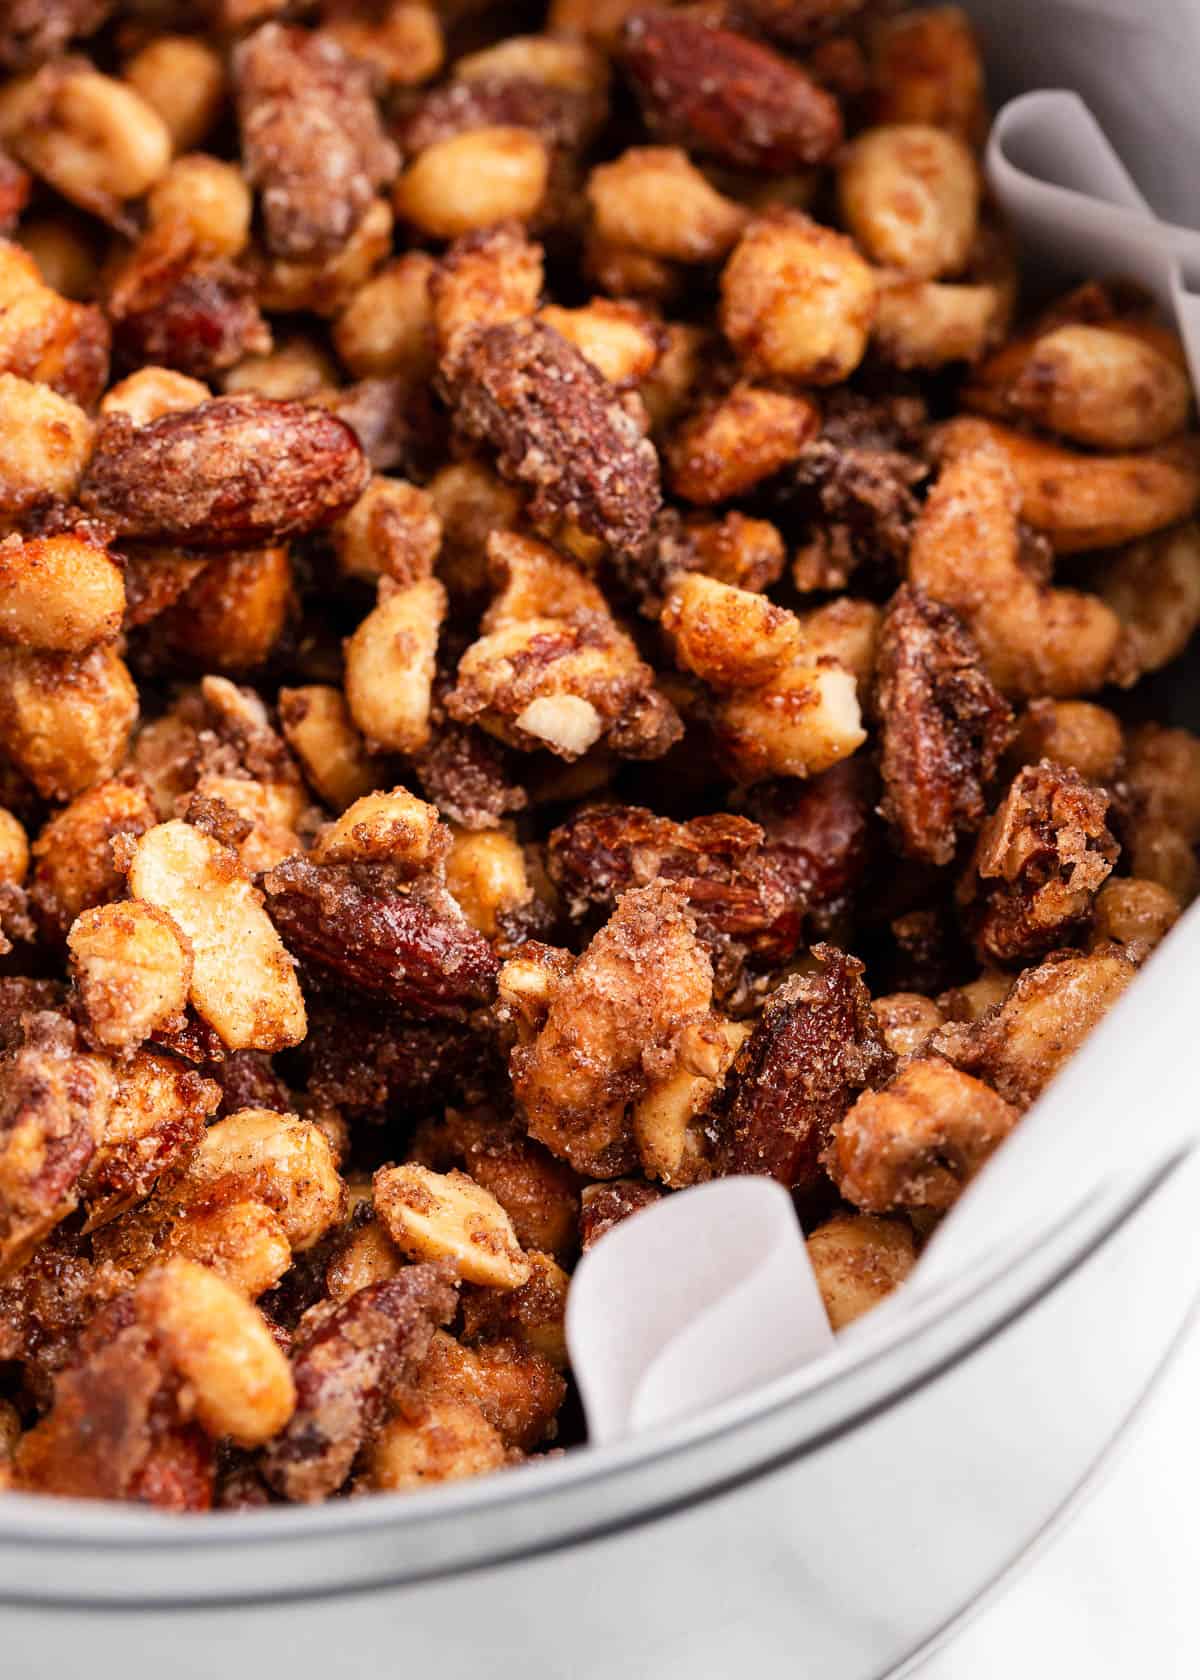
(1117, 1594)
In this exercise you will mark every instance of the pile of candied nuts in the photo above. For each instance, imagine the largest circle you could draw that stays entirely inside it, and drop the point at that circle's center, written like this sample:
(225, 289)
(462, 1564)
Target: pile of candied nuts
(555, 644)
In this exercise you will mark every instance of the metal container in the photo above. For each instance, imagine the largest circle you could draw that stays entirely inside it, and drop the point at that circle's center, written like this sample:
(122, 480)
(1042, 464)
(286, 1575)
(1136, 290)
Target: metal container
(836, 1532)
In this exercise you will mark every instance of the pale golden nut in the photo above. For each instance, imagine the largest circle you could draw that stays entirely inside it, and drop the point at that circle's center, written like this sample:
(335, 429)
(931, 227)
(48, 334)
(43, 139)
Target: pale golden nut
(629, 199)
(447, 1216)
(858, 1260)
(474, 180)
(280, 1160)
(797, 300)
(390, 662)
(132, 969)
(909, 194)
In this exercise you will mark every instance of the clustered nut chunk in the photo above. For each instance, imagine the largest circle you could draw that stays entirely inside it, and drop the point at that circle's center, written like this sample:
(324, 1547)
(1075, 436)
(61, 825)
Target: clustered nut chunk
(561, 638)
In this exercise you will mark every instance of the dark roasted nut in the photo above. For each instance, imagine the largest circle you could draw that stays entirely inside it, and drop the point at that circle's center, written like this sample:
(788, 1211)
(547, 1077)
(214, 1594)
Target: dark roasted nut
(798, 23)
(368, 1059)
(741, 900)
(817, 838)
(560, 428)
(427, 960)
(465, 775)
(562, 116)
(311, 137)
(345, 1359)
(818, 1043)
(33, 31)
(1039, 862)
(727, 95)
(606, 1205)
(177, 307)
(945, 726)
(54, 1106)
(229, 473)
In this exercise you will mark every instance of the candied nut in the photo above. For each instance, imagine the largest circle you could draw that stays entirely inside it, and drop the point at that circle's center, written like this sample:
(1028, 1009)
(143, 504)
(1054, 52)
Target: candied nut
(447, 1216)
(927, 323)
(552, 668)
(560, 428)
(1048, 851)
(797, 300)
(44, 444)
(1020, 1046)
(92, 138)
(1084, 501)
(14, 850)
(486, 876)
(627, 198)
(228, 472)
(816, 1045)
(472, 503)
(243, 984)
(232, 614)
(621, 340)
(669, 1121)
(385, 329)
(746, 553)
(156, 1119)
(517, 1390)
(731, 638)
(554, 60)
(606, 1205)
(393, 530)
(66, 718)
(858, 1260)
(237, 1379)
(1162, 793)
(474, 180)
(183, 79)
(920, 1140)
(54, 1105)
(390, 665)
(609, 1035)
(402, 42)
(277, 1159)
(926, 68)
(366, 1256)
(152, 392)
(909, 194)
(539, 1194)
(317, 725)
(312, 139)
(243, 1242)
(1074, 733)
(733, 442)
(45, 337)
(208, 201)
(727, 95)
(385, 828)
(344, 1362)
(800, 722)
(73, 866)
(967, 553)
(433, 1440)
(116, 1429)
(1136, 914)
(426, 961)
(325, 285)
(1097, 385)
(297, 368)
(64, 254)
(59, 594)
(132, 971)
(945, 728)
(906, 1021)
(1154, 588)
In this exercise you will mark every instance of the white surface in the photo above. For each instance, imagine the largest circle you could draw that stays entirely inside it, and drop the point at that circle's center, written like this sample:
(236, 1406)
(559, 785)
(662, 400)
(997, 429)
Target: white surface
(1115, 1594)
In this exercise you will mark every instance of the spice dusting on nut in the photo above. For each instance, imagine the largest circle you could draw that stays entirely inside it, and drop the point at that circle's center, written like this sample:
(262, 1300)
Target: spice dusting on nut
(559, 640)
